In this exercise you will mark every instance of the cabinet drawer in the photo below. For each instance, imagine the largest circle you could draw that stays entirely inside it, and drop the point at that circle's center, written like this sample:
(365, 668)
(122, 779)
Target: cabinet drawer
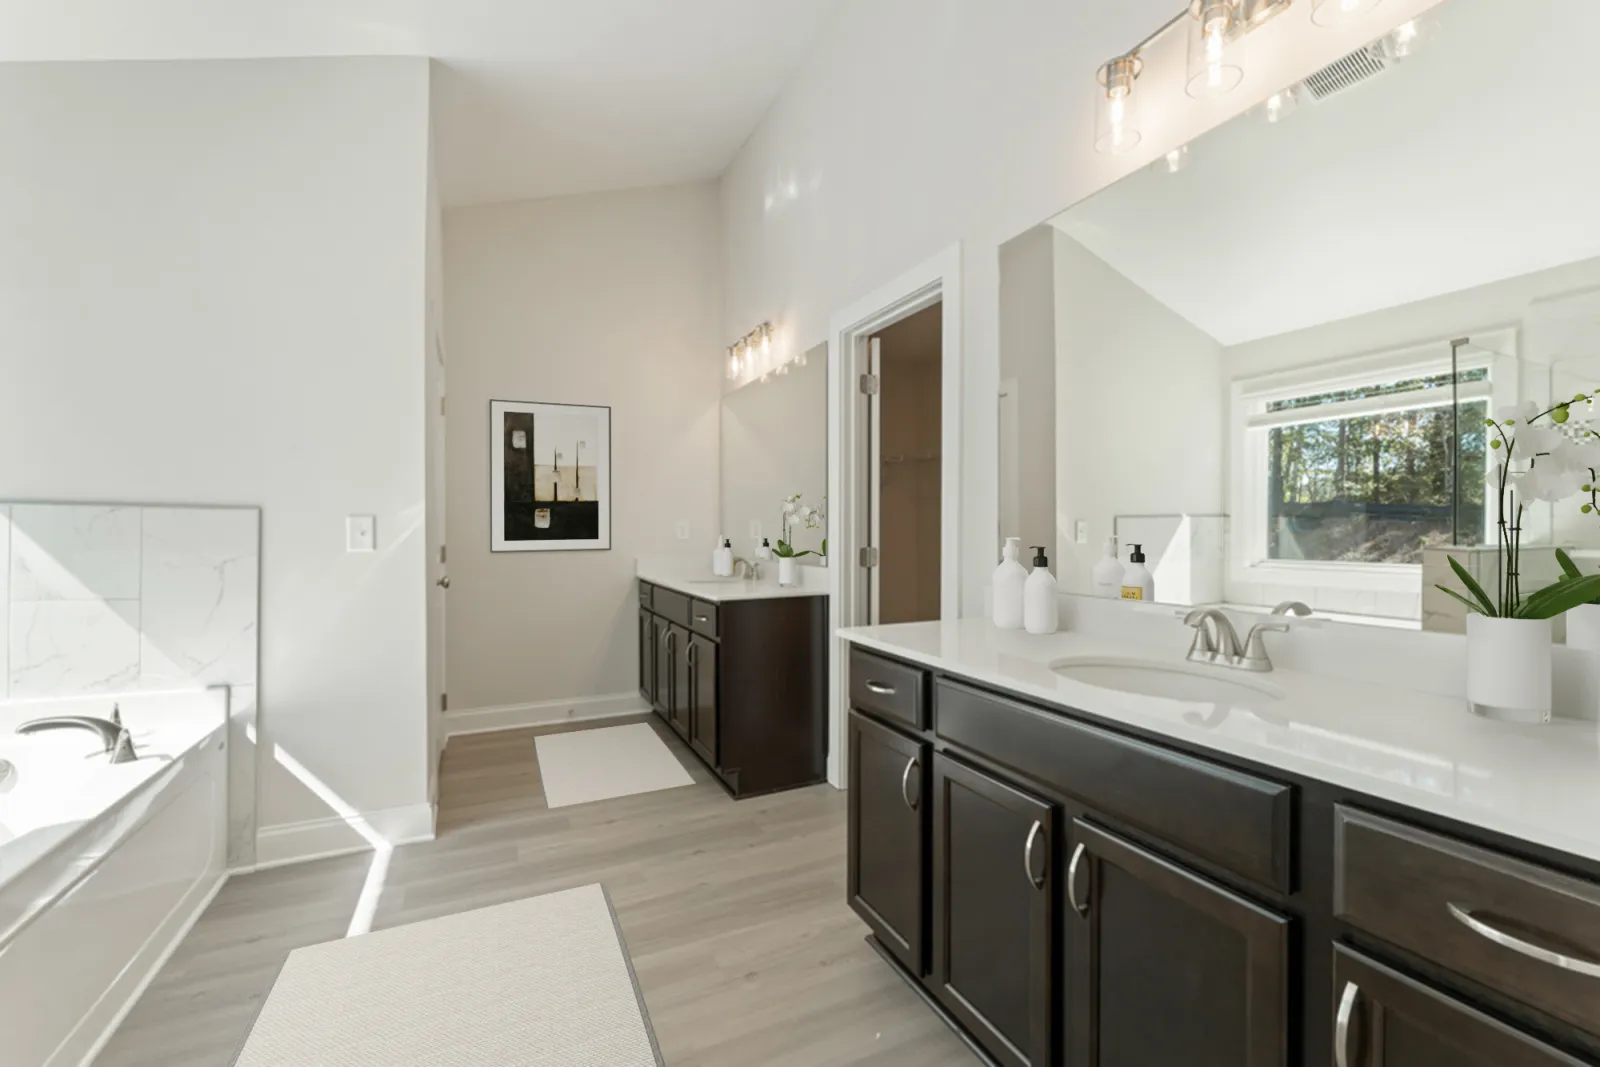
(1525, 930)
(1238, 821)
(670, 604)
(703, 618)
(888, 689)
(644, 594)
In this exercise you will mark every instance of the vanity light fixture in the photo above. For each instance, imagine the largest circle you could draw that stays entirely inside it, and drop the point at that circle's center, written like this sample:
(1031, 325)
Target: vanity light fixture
(1213, 28)
(1253, 13)
(1340, 12)
(751, 353)
(1116, 120)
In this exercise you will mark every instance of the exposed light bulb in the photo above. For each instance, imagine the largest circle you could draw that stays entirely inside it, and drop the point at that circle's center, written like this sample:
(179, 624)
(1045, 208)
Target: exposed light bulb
(1118, 119)
(1214, 43)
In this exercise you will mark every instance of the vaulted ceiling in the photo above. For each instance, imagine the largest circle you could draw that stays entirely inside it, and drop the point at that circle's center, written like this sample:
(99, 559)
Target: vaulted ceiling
(532, 98)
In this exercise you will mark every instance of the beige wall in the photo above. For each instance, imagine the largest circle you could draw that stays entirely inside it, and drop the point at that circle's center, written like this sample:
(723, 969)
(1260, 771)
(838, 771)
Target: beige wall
(774, 445)
(609, 299)
(1028, 388)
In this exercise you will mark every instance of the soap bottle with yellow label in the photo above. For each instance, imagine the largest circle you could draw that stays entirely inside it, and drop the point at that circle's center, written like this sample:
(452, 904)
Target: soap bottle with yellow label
(1137, 581)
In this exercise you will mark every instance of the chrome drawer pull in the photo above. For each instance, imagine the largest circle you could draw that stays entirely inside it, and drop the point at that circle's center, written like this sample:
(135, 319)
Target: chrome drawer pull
(1341, 1030)
(905, 784)
(1523, 948)
(881, 689)
(702, 618)
(1027, 855)
(1072, 879)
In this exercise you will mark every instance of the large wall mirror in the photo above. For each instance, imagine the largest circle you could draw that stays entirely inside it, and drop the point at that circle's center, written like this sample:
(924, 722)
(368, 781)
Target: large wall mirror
(775, 450)
(1269, 358)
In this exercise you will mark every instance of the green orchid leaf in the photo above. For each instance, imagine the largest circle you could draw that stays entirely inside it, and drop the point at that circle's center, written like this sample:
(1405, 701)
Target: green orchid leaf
(1569, 568)
(1560, 598)
(1485, 605)
(1476, 609)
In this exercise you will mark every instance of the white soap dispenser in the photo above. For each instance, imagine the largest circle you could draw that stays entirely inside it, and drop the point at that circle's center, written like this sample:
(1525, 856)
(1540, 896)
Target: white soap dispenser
(1041, 608)
(764, 551)
(1137, 581)
(722, 559)
(1009, 579)
(1107, 574)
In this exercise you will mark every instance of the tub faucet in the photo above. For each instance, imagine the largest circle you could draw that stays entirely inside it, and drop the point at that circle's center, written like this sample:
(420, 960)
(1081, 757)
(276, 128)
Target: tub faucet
(115, 736)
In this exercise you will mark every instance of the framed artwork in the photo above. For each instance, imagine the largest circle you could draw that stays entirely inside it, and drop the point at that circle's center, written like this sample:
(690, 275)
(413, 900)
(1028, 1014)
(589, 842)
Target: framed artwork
(549, 477)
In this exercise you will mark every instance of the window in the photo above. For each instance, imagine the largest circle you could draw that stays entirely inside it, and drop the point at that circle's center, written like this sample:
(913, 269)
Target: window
(1376, 483)
(1345, 473)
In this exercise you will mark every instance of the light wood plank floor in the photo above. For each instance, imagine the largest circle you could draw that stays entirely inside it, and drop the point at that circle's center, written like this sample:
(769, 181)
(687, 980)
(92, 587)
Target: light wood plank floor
(734, 915)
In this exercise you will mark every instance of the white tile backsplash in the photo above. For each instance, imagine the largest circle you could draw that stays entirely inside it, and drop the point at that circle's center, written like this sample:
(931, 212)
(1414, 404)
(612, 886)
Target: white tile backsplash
(62, 647)
(74, 552)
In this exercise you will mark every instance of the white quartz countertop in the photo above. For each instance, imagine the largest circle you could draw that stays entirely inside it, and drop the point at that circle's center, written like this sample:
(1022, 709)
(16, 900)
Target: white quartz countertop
(723, 590)
(1423, 750)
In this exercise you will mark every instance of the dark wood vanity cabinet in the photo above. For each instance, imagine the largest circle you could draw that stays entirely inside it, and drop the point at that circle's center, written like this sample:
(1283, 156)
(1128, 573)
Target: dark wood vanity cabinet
(1064, 893)
(994, 911)
(742, 683)
(1167, 966)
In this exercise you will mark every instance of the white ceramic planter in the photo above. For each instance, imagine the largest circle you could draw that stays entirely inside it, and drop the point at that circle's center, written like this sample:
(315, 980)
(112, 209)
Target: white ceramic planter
(1583, 627)
(786, 571)
(1508, 668)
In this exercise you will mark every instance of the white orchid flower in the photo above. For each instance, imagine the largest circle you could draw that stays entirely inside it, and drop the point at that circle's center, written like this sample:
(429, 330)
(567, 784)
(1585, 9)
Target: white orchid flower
(789, 507)
(1520, 414)
(1584, 455)
(1538, 441)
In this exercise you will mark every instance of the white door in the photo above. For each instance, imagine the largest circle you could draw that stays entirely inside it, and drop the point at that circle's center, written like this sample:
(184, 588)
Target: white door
(438, 575)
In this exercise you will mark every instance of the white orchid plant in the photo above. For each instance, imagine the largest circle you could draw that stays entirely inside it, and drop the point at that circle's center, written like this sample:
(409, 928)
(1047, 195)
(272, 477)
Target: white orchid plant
(1543, 455)
(797, 515)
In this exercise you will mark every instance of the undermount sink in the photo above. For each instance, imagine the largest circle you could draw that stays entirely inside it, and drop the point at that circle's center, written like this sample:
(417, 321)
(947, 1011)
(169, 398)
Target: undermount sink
(1174, 681)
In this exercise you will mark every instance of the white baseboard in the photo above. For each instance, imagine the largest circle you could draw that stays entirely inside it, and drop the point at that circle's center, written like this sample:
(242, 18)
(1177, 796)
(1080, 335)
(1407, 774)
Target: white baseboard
(543, 713)
(110, 1011)
(338, 835)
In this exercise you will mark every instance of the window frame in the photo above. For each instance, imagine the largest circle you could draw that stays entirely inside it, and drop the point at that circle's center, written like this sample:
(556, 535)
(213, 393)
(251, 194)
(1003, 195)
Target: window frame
(1249, 425)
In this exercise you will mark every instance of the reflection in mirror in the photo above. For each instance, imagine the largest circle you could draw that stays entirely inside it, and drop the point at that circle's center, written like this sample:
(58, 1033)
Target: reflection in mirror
(1272, 366)
(774, 448)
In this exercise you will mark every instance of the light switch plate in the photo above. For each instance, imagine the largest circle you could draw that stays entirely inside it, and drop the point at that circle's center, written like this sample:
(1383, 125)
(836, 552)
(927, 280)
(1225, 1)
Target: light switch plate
(755, 530)
(360, 533)
(1082, 532)
(683, 529)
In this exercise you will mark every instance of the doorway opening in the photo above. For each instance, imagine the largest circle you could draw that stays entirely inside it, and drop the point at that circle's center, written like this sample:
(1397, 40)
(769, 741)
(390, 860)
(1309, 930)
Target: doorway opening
(906, 467)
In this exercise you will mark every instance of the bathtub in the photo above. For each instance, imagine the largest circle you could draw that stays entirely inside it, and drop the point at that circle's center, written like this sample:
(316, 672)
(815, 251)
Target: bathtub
(103, 867)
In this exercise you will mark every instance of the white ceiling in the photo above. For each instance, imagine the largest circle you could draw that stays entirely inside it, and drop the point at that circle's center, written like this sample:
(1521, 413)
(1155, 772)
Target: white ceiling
(534, 97)
(1470, 163)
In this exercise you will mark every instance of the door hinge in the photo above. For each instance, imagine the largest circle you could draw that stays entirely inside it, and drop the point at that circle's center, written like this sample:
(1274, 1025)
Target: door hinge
(444, 701)
(443, 554)
(870, 386)
(441, 405)
(869, 557)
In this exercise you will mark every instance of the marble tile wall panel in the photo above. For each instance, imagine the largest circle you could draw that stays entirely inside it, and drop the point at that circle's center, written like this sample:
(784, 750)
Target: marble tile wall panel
(74, 552)
(198, 581)
(67, 647)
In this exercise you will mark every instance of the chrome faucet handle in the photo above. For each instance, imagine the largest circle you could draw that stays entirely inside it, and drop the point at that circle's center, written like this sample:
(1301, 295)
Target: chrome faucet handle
(1292, 607)
(1255, 649)
(1216, 638)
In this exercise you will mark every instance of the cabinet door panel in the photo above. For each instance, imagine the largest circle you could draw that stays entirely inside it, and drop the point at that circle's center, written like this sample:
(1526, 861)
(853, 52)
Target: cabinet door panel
(647, 658)
(889, 838)
(1385, 1019)
(703, 698)
(678, 705)
(661, 664)
(993, 915)
(1170, 968)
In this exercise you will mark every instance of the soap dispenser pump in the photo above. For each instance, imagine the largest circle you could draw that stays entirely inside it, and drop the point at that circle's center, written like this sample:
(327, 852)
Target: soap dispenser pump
(1137, 581)
(1041, 607)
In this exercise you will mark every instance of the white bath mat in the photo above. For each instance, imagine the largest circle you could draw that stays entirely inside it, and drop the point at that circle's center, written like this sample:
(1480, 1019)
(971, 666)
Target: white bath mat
(543, 982)
(617, 761)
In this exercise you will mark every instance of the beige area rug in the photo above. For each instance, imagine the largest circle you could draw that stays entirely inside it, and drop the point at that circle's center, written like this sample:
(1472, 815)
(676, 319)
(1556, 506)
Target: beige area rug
(543, 982)
(616, 761)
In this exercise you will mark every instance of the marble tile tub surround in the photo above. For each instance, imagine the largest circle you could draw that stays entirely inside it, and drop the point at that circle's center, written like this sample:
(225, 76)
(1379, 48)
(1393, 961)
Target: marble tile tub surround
(1420, 749)
(113, 598)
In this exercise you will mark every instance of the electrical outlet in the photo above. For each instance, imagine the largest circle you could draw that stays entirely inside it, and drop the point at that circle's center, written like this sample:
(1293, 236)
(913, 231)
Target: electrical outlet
(360, 533)
(1082, 534)
(683, 529)
(755, 530)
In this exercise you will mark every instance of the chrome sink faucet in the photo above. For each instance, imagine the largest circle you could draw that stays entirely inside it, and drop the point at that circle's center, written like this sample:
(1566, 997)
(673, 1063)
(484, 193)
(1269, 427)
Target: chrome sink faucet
(118, 742)
(1217, 642)
(752, 571)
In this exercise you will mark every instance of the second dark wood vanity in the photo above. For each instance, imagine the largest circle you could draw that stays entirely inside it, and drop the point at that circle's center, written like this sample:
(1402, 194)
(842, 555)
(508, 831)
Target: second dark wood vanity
(1065, 892)
(743, 682)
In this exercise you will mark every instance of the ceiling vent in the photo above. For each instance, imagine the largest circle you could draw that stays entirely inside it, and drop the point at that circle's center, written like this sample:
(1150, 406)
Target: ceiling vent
(1345, 74)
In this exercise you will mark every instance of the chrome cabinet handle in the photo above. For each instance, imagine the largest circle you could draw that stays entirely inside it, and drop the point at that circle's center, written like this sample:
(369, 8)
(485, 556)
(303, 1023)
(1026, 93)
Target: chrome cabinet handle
(1027, 854)
(881, 689)
(1341, 1029)
(1072, 879)
(693, 654)
(702, 618)
(905, 784)
(1523, 948)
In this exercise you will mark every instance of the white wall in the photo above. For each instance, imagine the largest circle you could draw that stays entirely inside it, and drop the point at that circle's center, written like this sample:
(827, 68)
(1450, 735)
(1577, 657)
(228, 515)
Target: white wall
(1139, 397)
(611, 299)
(916, 124)
(1028, 379)
(213, 279)
(774, 445)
